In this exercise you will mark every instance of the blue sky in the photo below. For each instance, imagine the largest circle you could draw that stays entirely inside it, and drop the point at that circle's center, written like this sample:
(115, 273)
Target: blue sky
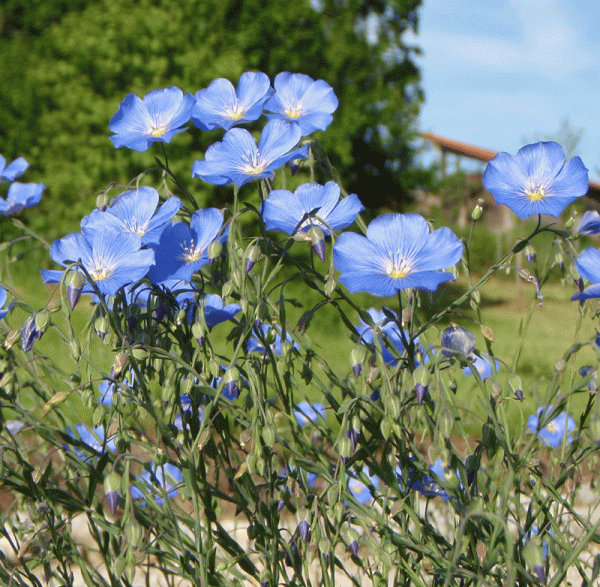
(497, 70)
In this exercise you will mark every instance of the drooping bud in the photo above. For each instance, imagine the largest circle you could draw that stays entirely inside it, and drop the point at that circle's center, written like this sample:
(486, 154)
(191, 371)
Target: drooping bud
(252, 255)
(75, 283)
(101, 326)
(357, 356)
(515, 384)
(119, 364)
(303, 527)
(353, 433)
(214, 250)
(33, 329)
(422, 377)
(529, 253)
(317, 241)
(231, 391)
(112, 483)
(198, 331)
(420, 392)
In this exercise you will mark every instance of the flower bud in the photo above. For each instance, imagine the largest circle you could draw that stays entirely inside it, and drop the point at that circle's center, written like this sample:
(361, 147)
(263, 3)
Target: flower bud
(112, 483)
(214, 250)
(317, 241)
(198, 332)
(477, 211)
(75, 283)
(357, 356)
(119, 364)
(32, 331)
(529, 253)
(329, 286)
(252, 255)
(101, 325)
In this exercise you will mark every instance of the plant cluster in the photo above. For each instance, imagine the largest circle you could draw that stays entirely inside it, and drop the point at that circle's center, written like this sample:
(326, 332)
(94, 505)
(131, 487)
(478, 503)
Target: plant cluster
(193, 404)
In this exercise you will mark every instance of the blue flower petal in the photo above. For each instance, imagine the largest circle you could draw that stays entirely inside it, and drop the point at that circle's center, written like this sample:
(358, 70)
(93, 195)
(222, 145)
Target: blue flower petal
(537, 180)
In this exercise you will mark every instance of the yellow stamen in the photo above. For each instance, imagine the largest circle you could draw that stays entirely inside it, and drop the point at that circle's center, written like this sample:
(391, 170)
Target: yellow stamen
(294, 111)
(234, 112)
(191, 253)
(398, 269)
(158, 131)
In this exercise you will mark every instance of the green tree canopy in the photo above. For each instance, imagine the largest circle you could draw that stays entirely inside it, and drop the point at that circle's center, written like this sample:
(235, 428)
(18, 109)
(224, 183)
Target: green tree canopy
(67, 65)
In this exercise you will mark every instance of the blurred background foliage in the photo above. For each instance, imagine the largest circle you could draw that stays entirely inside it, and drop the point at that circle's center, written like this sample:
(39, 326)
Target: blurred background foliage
(67, 65)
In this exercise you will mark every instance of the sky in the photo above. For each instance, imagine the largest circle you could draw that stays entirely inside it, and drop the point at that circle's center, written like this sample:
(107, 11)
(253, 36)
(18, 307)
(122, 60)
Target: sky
(495, 71)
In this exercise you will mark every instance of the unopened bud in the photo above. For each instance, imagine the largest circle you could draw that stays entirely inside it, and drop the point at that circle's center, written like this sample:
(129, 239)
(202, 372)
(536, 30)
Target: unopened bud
(119, 364)
(357, 356)
(477, 211)
(101, 326)
(317, 241)
(214, 250)
(529, 253)
(75, 283)
(252, 255)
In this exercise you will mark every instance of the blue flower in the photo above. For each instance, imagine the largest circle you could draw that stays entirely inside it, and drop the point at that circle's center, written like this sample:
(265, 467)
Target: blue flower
(220, 105)
(186, 406)
(238, 160)
(588, 266)
(136, 212)
(183, 250)
(255, 345)
(389, 332)
(537, 180)
(306, 413)
(482, 365)
(94, 439)
(215, 311)
(456, 339)
(21, 196)
(554, 431)
(399, 252)
(13, 170)
(166, 476)
(3, 297)
(298, 98)
(159, 116)
(311, 204)
(360, 491)
(589, 223)
(112, 259)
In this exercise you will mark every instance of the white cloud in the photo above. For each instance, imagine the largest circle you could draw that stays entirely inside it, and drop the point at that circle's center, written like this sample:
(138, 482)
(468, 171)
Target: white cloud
(549, 45)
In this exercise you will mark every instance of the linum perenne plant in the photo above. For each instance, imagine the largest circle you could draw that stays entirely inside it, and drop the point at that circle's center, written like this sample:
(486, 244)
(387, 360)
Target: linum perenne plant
(219, 446)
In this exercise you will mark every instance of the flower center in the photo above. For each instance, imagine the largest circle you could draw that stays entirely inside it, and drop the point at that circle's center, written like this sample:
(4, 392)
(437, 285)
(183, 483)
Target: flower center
(235, 111)
(136, 227)
(535, 191)
(355, 486)
(253, 164)
(552, 427)
(101, 270)
(191, 252)
(398, 268)
(158, 130)
(294, 110)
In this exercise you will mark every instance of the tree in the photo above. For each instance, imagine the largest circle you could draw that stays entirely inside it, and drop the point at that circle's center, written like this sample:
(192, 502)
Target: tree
(68, 65)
